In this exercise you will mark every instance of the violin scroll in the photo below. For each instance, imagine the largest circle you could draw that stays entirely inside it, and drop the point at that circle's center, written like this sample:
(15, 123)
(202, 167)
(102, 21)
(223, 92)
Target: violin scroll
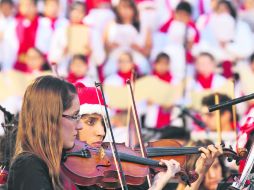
(232, 155)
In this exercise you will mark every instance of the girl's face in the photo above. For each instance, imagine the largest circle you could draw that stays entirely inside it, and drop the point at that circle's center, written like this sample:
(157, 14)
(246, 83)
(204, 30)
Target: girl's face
(51, 9)
(162, 66)
(213, 176)
(125, 11)
(77, 14)
(6, 9)
(222, 9)
(204, 65)
(79, 68)
(71, 124)
(34, 59)
(93, 131)
(27, 8)
(125, 64)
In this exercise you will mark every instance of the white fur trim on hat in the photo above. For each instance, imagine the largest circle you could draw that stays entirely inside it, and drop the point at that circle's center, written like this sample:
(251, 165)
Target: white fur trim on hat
(92, 108)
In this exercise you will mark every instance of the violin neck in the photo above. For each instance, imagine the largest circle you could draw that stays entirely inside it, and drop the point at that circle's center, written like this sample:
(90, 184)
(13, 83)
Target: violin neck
(138, 160)
(177, 151)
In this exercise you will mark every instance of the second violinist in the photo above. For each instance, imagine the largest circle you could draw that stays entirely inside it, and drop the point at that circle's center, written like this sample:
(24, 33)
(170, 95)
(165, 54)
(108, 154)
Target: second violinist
(94, 129)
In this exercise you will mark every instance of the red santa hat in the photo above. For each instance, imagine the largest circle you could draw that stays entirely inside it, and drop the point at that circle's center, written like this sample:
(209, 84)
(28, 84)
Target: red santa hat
(91, 100)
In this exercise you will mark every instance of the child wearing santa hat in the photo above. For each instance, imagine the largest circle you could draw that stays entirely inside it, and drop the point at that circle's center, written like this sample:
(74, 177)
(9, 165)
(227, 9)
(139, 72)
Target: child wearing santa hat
(91, 111)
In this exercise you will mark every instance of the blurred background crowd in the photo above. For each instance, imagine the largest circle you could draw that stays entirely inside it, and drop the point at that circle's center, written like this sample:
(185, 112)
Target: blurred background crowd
(191, 48)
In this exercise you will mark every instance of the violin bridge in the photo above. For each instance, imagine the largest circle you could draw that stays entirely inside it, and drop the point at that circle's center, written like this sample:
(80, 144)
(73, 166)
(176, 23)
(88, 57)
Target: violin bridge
(101, 152)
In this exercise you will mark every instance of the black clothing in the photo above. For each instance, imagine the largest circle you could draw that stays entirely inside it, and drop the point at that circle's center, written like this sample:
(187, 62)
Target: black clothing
(28, 172)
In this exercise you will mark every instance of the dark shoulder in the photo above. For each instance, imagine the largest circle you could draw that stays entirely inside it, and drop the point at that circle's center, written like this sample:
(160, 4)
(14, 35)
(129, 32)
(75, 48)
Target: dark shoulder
(28, 159)
(27, 172)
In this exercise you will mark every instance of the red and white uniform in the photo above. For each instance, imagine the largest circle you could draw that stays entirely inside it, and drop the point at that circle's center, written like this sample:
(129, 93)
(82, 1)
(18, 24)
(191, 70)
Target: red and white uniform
(125, 35)
(212, 82)
(86, 80)
(59, 46)
(179, 36)
(24, 34)
(215, 28)
(170, 40)
(56, 23)
(156, 116)
(6, 54)
(118, 79)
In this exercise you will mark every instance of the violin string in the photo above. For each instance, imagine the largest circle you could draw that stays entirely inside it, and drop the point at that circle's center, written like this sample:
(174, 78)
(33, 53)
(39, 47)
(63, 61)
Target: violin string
(111, 146)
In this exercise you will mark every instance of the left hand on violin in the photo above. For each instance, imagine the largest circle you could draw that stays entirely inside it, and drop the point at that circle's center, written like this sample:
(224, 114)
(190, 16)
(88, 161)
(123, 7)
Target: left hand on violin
(207, 158)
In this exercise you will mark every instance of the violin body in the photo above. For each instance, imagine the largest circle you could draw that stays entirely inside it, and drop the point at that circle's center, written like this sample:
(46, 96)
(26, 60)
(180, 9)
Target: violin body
(87, 166)
(96, 167)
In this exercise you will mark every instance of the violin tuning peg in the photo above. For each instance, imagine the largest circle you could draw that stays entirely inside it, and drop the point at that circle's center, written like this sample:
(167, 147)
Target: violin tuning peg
(242, 152)
(230, 147)
(222, 144)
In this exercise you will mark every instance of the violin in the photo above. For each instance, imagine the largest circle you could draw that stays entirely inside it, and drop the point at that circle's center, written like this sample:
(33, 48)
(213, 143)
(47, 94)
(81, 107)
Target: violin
(87, 166)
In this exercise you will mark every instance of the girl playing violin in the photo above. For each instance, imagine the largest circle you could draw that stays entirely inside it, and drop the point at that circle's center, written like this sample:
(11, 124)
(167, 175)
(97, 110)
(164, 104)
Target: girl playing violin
(94, 130)
(209, 179)
(49, 123)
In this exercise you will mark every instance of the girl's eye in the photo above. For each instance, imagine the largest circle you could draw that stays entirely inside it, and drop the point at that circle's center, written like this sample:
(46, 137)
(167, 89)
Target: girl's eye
(90, 121)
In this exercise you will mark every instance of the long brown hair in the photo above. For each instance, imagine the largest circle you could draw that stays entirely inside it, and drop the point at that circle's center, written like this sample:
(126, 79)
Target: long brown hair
(39, 129)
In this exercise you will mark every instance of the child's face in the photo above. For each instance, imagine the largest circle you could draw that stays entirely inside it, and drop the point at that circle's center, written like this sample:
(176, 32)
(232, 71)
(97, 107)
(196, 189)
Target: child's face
(51, 9)
(79, 68)
(27, 8)
(125, 63)
(93, 131)
(34, 60)
(182, 16)
(125, 11)
(204, 65)
(6, 9)
(162, 66)
(77, 14)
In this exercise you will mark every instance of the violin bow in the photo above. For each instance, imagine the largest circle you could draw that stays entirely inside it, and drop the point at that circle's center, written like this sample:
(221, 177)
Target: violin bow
(138, 126)
(240, 183)
(218, 119)
(113, 143)
(132, 137)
